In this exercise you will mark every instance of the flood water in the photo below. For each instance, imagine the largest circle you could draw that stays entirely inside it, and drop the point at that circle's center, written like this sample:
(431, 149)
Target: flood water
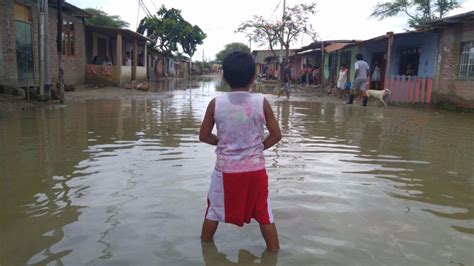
(124, 182)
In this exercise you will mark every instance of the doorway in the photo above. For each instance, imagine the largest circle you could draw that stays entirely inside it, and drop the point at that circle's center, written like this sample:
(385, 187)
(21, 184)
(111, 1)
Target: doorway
(379, 58)
(101, 48)
(24, 45)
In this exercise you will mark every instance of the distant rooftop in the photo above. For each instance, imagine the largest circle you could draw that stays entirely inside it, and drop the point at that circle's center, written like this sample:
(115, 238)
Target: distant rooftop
(456, 19)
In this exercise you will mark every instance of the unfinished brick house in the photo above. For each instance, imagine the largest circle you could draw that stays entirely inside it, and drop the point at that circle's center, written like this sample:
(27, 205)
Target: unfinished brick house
(19, 65)
(454, 78)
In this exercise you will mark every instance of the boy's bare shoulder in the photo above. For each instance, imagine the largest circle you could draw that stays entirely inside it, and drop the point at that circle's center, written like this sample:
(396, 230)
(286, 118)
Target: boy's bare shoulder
(212, 104)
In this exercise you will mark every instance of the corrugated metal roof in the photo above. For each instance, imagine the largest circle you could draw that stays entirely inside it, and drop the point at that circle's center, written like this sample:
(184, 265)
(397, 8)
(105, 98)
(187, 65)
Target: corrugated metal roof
(335, 46)
(451, 19)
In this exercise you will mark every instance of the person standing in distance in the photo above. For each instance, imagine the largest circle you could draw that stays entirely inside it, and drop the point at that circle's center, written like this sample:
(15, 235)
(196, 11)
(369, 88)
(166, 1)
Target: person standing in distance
(286, 81)
(361, 76)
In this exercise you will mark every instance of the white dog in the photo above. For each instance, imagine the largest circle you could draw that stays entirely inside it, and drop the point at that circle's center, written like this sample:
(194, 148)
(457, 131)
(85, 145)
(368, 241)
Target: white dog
(378, 94)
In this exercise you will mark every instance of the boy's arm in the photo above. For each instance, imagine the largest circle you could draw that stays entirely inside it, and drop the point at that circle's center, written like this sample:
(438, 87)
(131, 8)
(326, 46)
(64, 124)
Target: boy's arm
(205, 134)
(272, 126)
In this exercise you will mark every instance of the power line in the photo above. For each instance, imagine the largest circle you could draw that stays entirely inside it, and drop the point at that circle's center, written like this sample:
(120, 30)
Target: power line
(138, 13)
(144, 7)
(154, 5)
(275, 10)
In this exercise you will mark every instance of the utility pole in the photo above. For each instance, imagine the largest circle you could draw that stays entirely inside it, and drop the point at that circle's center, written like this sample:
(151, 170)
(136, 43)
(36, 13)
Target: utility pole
(41, 48)
(321, 69)
(47, 56)
(282, 39)
(59, 49)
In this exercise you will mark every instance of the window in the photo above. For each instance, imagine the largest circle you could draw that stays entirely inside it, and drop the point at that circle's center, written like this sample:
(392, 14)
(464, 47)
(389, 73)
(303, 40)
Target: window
(409, 60)
(346, 59)
(68, 38)
(466, 62)
(22, 13)
(24, 47)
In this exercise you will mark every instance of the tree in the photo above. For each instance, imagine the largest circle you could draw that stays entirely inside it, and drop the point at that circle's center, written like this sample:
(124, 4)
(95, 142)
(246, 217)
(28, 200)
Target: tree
(170, 31)
(235, 46)
(418, 11)
(100, 18)
(294, 23)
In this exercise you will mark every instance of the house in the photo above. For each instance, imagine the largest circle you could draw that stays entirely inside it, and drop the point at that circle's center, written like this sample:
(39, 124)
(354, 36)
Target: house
(322, 53)
(264, 64)
(115, 56)
(454, 78)
(197, 68)
(407, 61)
(267, 63)
(337, 54)
(19, 52)
(307, 55)
(158, 64)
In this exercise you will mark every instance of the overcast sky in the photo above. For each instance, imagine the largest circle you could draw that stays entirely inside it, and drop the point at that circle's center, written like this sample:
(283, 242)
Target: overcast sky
(336, 19)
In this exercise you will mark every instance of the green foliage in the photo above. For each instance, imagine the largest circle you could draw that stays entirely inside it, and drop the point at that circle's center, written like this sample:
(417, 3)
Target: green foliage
(100, 18)
(170, 31)
(295, 23)
(286, 31)
(235, 46)
(418, 11)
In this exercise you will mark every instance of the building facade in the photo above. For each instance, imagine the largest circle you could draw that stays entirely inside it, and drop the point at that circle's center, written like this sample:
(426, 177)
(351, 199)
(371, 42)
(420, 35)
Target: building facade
(19, 52)
(454, 79)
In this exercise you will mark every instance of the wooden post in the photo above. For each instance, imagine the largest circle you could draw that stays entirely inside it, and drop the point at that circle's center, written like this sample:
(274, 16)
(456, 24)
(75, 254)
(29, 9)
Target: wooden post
(135, 60)
(59, 50)
(145, 59)
(47, 54)
(118, 60)
(41, 48)
(389, 54)
(321, 69)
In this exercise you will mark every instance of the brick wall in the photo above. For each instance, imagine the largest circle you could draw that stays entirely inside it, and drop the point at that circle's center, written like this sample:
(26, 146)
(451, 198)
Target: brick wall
(449, 87)
(73, 66)
(7, 22)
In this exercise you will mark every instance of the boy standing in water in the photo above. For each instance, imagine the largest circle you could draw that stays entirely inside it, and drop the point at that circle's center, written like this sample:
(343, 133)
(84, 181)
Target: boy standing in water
(239, 184)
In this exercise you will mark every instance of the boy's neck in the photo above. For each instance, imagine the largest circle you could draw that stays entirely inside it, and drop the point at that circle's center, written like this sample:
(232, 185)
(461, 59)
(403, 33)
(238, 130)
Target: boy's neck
(240, 89)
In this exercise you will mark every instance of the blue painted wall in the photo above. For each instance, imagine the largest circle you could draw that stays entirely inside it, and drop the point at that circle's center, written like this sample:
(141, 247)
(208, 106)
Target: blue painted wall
(427, 42)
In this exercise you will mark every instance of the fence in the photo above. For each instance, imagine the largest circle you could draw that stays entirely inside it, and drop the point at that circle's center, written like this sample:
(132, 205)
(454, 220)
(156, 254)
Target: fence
(409, 89)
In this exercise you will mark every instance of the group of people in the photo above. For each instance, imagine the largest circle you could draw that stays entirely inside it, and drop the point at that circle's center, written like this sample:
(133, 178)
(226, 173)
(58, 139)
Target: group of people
(310, 75)
(105, 62)
(127, 60)
(269, 72)
(360, 82)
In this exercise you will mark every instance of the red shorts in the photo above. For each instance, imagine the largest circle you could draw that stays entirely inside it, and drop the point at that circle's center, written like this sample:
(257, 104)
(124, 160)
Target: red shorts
(237, 197)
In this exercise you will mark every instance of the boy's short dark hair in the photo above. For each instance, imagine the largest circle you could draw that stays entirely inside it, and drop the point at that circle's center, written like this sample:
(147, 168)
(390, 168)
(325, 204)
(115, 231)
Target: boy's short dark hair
(359, 57)
(239, 69)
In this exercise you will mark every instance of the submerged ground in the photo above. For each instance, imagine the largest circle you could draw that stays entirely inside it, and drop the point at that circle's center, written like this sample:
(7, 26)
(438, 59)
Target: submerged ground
(119, 177)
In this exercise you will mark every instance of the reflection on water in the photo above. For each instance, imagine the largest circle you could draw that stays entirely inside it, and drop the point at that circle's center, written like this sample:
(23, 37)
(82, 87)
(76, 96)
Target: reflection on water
(124, 182)
(212, 257)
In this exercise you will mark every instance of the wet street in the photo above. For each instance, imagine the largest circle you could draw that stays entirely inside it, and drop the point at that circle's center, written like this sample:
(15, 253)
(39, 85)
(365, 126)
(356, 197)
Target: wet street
(124, 182)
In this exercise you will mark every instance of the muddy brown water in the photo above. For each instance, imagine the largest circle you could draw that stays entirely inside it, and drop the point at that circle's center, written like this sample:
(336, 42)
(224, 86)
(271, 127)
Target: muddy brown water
(124, 182)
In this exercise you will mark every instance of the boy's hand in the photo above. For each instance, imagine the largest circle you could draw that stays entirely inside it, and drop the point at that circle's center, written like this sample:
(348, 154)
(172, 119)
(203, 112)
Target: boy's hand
(272, 126)
(205, 134)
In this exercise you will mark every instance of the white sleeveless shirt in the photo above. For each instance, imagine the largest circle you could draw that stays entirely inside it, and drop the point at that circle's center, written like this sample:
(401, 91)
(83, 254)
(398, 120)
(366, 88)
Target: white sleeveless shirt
(240, 124)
